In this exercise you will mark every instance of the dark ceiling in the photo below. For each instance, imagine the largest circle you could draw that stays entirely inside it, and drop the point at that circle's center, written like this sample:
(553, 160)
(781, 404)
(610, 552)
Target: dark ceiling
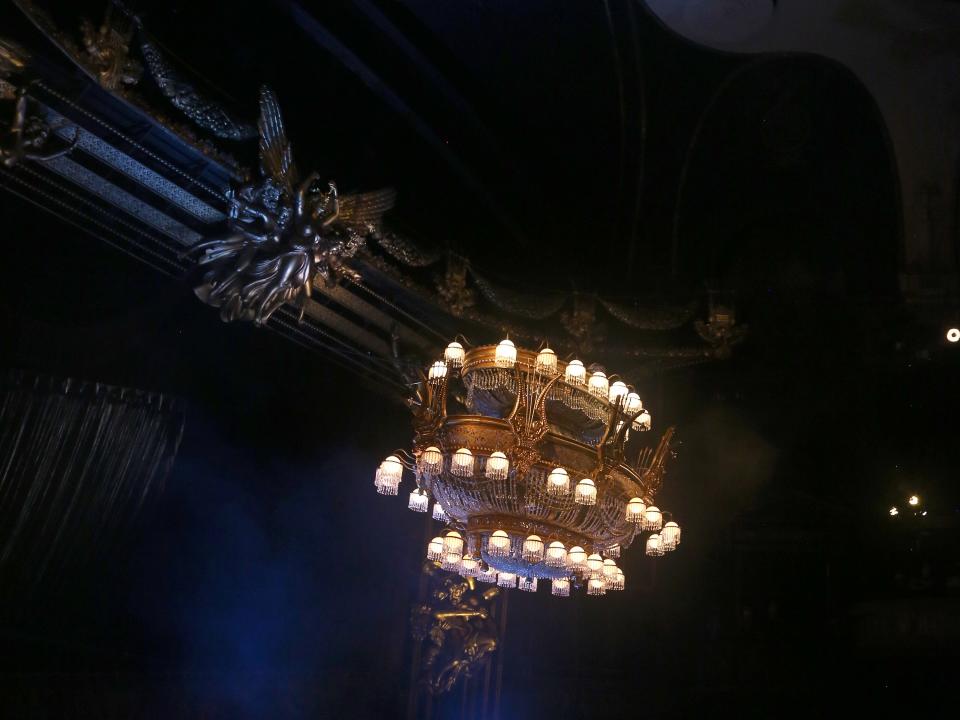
(559, 145)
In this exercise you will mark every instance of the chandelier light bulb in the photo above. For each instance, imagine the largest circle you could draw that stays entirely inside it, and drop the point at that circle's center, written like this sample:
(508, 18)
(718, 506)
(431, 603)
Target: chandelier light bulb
(586, 493)
(632, 404)
(652, 519)
(533, 549)
(486, 574)
(560, 587)
(609, 569)
(453, 543)
(431, 459)
(596, 586)
(469, 565)
(575, 373)
(635, 511)
(617, 391)
(894, 511)
(643, 421)
(419, 501)
(670, 536)
(497, 466)
(454, 354)
(558, 482)
(953, 335)
(594, 563)
(599, 385)
(528, 584)
(506, 354)
(499, 544)
(506, 580)
(619, 581)
(435, 549)
(388, 476)
(576, 558)
(556, 555)
(439, 513)
(546, 361)
(462, 463)
(654, 546)
(613, 551)
(913, 500)
(438, 371)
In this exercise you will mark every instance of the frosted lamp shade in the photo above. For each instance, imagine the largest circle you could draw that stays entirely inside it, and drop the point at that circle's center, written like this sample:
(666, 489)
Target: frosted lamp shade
(617, 391)
(560, 587)
(652, 519)
(594, 563)
(469, 566)
(576, 558)
(454, 354)
(556, 555)
(453, 543)
(419, 501)
(533, 549)
(654, 546)
(558, 482)
(618, 582)
(451, 562)
(670, 535)
(437, 372)
(388, 476)
(528, 584)
(505, 355)
(575, 373)
(609, 569)
(586, 493)
(546, 361)
(635, 510)
(439, 513)
(431, 459)
(613, 551)
(461, 464)
(506, 580)
(499, 544)
(435, 549)
(596, 586)
(632, 404)
(599, 385)
(643, 421)
(497, 466)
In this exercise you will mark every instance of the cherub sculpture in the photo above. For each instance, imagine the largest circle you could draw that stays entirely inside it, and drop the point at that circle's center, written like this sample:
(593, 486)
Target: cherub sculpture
(283, 233)
(29, 136)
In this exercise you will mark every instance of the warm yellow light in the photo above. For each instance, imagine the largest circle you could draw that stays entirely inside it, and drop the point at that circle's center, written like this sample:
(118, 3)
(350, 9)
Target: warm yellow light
(609, 569)
(635, 510)
(594, 563)
(652, 518)
(586, 493)
(575, 372)
(654, 546)
(547, 361)
(431, 459)
(894, 512)
(506, 354)
(533, 549)
(468, 566)
(435, 549)
(462, 463)
(560, 587)
(598, 384)
(499, 544)
(617, 391)
(576, 557)
(670, 535)
(454, 354)
(596, 586)
(497, 466)
(438, 371)
(556, 554)
(632, 404)
(913, 500)
(953, 335)
(453, 543)
(558, 482)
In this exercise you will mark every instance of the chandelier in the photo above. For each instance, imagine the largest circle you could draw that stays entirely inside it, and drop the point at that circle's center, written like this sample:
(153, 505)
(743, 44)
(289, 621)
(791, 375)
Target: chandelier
(537, 467)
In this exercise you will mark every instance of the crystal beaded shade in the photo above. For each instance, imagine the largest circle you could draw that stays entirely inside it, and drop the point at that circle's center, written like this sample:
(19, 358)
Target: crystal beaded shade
(528, 584)
(609, 569)
(419, 501)
(556, 555)
(618, 582)
(486, 574)
(547, 361)
(576, 558)
(469, 565)
(632, 404)
(431, 459)
(497, 466)
(438, 512)
(438, 371)
(558, 482)
(598, 384)
(635, 510)
(453, 543)
(451, 562)
(670, 535)
(613, 551)
(560, 587)
(499, 544)
(617, 391)
(462, 463)
(586, 493)
(435, 549)
(388, 476)
(596, 586)
(506, 354)
(454, 354)
(575, 373)
(594, 563)
(506, 580)
(533, 549)
(654, 546)
(652, 519)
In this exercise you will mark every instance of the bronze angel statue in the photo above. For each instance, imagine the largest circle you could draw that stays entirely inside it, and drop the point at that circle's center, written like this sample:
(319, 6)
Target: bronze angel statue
(284, 233)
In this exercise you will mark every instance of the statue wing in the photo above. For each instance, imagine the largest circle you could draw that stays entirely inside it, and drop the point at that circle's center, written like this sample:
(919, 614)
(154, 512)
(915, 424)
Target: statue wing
(366, 208)
(276, 156)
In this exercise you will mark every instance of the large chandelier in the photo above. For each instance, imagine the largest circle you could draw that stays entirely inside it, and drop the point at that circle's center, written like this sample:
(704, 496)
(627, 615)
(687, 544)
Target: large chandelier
(533, 465)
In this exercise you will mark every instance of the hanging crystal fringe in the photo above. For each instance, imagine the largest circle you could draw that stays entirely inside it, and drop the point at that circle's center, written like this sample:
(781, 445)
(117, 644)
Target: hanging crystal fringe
(435, 549)
(528, 584)
(451, 562)
(560, 587)
(497, 466)
(487, 575)
(618, 582)
(532, 549)
(419, 501)
(556, 555)
(506, 580)
(469, 565)
(499, 544)
(439, 513)
(431, 460)
(596, 586)
(613, 551)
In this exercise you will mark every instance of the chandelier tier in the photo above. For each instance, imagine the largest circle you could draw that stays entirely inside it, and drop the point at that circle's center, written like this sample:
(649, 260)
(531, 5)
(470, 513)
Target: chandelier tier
(537, 467)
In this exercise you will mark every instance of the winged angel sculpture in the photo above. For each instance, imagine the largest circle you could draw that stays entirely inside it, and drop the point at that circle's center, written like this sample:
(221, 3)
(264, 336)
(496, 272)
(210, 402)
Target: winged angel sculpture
(284, 233)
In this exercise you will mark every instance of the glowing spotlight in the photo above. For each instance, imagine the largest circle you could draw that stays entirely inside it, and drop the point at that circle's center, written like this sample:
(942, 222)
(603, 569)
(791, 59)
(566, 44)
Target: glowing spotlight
(953, 335)
(924, 513)
(894, 512)
(913, 500)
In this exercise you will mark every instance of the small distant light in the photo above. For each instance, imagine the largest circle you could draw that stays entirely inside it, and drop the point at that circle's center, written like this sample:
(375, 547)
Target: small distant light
(924, 513)
(953, 335)
(913, 500)
(894, 512)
